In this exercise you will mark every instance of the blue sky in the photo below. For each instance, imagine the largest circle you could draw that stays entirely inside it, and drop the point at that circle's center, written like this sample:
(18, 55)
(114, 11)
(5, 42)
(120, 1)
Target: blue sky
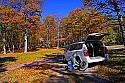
(60, 7)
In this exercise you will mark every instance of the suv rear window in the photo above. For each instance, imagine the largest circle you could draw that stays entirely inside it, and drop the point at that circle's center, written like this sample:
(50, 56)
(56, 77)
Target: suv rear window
(75, 47)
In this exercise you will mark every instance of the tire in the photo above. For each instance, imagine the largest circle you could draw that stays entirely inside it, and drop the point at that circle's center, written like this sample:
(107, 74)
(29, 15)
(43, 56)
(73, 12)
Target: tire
(83, 66)
(64, 60)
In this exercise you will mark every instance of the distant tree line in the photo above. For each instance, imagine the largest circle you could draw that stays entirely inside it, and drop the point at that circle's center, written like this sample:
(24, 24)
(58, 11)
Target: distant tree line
(22, 29)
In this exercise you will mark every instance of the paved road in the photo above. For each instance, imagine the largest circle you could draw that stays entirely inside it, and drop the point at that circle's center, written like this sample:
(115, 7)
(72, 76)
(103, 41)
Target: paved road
(115, 47)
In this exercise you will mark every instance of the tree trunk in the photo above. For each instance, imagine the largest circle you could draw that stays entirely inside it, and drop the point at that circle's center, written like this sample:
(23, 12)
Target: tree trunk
(114, 3)
(25, 43)
(4, 40)
(4, 47)
(25, 36)
(12, 42)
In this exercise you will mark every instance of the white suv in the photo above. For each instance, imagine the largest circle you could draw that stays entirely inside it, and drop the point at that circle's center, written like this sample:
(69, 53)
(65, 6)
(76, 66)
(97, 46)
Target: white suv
(89, 51)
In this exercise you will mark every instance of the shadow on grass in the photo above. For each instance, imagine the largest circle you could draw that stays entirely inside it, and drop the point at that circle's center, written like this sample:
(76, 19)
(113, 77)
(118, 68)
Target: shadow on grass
(48, 59)
(116, 51)
(116, 60)
(60, 75)
(63, 76)
(114, 69)
(4, 60)
(7, 59)
(118, 56)
(115, 63)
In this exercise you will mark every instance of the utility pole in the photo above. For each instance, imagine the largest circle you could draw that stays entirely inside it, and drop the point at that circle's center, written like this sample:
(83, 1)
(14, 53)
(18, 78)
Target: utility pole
(114, 3)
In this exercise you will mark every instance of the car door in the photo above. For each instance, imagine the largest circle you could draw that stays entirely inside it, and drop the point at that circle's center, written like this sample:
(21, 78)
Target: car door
(69, 52)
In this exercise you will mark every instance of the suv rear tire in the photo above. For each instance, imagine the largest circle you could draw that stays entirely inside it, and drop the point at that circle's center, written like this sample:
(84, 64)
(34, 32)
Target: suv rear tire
(83, 65)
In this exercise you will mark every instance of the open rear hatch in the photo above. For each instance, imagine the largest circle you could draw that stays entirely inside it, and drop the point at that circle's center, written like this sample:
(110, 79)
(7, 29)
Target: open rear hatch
(95, 36)
(96, 50)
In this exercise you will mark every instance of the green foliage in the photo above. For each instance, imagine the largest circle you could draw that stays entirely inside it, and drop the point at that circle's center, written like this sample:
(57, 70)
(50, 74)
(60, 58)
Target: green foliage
(79, 23)
(1, 44)
(111, 38)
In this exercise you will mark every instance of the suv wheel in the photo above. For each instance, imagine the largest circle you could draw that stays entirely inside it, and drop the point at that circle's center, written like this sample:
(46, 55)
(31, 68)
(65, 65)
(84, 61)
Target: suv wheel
(83, 66)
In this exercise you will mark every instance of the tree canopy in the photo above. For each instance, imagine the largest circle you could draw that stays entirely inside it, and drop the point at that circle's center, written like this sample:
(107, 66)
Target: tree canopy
(23, 18)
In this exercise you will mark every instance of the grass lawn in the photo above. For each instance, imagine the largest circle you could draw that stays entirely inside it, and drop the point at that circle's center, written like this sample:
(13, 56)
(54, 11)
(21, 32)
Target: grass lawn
(26, 75)
(114, 69)
(15, 58)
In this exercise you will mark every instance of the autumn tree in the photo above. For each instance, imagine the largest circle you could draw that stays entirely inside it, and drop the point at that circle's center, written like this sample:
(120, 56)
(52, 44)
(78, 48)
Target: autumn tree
(49, 29)
(79, 23)
(52, 29)
(64, 30)
(113, 8)
(28, 14)
(57, 19)
(5, 21)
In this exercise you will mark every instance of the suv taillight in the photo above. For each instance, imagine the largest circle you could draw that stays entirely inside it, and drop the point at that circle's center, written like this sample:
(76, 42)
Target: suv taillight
(85, 53)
